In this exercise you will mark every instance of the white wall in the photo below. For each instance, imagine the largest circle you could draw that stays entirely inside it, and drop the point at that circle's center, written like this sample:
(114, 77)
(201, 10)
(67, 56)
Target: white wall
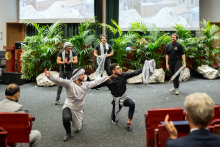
(209, 9)
(8, 13)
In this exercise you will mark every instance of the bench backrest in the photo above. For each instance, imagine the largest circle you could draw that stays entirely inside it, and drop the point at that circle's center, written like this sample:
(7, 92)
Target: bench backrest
(216, 112)
(17, 126)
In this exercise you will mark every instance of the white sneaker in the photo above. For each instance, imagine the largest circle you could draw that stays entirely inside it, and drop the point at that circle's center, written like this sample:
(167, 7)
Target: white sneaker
(172, 90)
(114, 122)
(177, 91)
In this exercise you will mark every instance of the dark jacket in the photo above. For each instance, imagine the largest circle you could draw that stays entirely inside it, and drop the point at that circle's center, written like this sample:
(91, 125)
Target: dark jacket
(197, 138)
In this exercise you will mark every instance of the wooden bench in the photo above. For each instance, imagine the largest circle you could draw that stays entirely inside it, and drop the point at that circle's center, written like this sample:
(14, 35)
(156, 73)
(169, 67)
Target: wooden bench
(216, 129)
(18, 126)
(216, 112)
(155, 116)
(3, 137)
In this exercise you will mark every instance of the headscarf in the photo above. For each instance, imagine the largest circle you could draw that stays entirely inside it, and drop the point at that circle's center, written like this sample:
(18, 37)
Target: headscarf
(67, 44)
(77, 73)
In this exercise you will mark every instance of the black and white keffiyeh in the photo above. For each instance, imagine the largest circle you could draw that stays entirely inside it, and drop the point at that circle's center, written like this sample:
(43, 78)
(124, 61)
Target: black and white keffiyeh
(67, 44)
(77, 73)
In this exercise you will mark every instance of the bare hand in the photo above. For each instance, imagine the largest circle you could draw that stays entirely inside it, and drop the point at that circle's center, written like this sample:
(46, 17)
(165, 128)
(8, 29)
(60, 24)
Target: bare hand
(65, 60)
(106, 56)
(168, 68)
(109, 77)
(47, 73)
(69, 62)
(170, 128)
(184, 65)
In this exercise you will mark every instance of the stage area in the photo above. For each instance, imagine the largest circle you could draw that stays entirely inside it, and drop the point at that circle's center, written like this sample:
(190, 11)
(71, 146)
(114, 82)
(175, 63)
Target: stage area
(98, 131)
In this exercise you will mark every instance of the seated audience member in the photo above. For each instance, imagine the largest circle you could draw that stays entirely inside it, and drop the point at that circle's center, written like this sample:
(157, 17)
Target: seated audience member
(199, 113)
(10, 104)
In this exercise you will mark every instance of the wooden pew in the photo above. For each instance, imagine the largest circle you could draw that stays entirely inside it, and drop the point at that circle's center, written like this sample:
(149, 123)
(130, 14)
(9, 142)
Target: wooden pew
(216, 129)
(3, 137)
(216, 112)
(155, 116)
(18, 126)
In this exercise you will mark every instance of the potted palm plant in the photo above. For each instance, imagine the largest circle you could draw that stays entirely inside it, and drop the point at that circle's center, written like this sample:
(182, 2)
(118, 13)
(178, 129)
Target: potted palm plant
(40, 52)
(212, 33)
(156, 41)
(82, 44)
(120, 43)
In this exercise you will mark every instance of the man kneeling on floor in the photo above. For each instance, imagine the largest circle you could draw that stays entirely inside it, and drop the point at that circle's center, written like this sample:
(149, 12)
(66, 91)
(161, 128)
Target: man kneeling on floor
(76, 90)
(117, 86)
(12, 93)
(199, 113)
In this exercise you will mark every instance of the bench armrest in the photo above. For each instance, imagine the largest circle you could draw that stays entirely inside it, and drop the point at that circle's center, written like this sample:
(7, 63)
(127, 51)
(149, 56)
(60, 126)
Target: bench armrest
(31, 118)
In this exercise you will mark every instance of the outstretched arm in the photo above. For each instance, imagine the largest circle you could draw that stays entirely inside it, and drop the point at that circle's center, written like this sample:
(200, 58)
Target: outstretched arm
(132, 74)
(100, 85)
(58, 80)
(96, 82)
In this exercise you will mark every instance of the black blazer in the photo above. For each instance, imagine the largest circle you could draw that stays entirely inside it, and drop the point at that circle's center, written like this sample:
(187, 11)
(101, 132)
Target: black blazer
(197, 138)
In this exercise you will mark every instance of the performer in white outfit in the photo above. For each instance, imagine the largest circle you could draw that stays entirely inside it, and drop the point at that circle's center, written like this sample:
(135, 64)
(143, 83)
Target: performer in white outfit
(76, 89)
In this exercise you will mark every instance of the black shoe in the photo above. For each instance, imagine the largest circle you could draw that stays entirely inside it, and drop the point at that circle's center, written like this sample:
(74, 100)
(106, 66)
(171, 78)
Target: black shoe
(57, 103)
(67, 136)
(129, 126)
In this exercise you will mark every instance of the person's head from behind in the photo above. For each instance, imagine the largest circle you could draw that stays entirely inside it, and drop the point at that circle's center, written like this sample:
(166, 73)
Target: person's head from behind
(13, 92)
(174, 38)
(103, 38)
(199, 110)
(78, 74)
(115, 69)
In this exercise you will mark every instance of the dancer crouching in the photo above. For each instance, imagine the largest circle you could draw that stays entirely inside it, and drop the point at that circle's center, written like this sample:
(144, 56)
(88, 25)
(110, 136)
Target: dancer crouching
(117, 86)
(76, 89)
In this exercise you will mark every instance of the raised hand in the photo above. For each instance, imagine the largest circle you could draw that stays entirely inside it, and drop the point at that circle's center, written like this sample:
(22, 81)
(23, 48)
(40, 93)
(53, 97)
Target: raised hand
(69, 62)
(47, 73)
(170, 128)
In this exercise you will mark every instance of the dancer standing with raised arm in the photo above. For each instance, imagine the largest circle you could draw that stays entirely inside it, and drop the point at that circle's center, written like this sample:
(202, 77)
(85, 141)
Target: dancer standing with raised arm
(66, 58)
(76, 90)
(117, 86)
(174, 57)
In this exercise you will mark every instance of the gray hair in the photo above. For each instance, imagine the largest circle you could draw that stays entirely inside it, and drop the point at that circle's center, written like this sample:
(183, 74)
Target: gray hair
(200, 108)
(67, 44)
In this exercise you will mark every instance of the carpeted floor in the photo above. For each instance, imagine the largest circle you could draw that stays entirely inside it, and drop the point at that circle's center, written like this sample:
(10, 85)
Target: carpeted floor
(98, 131)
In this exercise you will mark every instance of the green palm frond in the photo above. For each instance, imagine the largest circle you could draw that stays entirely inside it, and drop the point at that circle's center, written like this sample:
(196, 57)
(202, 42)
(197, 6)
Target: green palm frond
(117, 26)
(109, 27)
(89, 39)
